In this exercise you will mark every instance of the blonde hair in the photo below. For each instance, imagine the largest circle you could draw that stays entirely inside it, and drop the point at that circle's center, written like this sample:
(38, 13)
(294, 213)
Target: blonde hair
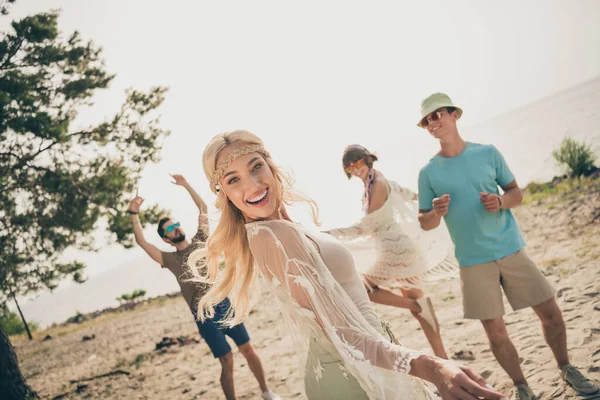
(227, 258)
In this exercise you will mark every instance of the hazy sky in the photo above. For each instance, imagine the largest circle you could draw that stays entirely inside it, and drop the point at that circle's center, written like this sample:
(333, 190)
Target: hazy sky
(311, 77)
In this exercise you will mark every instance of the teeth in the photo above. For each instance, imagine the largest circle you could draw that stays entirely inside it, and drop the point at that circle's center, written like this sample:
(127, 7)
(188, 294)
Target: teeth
(258, 198)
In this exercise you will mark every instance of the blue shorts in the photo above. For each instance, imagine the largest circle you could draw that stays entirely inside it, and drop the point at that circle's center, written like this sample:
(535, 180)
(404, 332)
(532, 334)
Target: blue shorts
(214, 333)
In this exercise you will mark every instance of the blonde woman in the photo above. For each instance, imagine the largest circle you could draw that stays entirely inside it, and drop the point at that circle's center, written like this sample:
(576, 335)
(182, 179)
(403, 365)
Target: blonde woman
(322, 298)
(404, 255)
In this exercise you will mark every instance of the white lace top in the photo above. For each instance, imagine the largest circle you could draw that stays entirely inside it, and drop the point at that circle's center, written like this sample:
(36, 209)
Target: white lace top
(322, 297)
(391, 248)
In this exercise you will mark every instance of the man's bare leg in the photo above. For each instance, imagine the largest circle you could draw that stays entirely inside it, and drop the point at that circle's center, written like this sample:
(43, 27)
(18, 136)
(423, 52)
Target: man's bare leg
(227, 376)
(255, 365)
(503, 349)
(554, 329)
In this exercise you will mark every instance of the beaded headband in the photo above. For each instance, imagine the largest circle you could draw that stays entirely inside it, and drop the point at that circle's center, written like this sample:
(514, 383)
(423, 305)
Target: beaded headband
(253, 148)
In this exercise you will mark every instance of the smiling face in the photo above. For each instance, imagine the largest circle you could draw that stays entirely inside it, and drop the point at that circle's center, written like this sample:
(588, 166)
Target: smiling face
(357, 161)
(249, 183)
(441, 123)
(359, 169)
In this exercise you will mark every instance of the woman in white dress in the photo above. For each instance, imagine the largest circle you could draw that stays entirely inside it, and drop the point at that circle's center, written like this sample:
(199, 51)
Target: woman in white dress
(403, 255)
(321, 296)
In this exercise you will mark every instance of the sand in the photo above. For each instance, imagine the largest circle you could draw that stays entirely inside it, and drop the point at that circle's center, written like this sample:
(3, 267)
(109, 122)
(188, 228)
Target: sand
(563, 237)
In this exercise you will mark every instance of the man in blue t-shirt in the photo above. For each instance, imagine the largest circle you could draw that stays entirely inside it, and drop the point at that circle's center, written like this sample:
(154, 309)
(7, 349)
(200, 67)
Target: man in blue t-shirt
(460, 183)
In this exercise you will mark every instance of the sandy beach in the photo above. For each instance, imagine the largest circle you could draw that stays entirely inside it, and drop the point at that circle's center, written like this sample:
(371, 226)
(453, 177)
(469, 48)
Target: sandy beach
(123, 124)
(562, 234)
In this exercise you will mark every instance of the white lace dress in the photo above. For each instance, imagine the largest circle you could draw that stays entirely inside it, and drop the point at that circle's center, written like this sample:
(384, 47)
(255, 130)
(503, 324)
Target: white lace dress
(335, 329)
(391, 249)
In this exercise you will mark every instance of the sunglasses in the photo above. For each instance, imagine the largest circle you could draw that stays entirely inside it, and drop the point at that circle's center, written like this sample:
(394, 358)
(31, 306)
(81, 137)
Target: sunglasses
(171, 228)
(434, 116)
(354, 164)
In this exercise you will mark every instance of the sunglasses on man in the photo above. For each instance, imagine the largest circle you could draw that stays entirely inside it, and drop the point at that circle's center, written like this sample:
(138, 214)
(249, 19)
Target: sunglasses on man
(171, 228)
(434, 116)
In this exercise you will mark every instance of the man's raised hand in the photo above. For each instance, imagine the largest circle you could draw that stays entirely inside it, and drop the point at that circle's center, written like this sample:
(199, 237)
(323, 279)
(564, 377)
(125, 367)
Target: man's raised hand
(136, 203)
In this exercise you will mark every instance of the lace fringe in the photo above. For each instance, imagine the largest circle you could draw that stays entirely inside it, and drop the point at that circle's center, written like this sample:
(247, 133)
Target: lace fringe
(446, 270)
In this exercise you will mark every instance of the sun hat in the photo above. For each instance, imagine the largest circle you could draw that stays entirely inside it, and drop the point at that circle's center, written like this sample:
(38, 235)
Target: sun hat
(434, 102)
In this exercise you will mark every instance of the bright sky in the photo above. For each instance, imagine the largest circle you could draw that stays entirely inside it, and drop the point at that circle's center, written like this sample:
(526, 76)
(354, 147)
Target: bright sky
(311, 77)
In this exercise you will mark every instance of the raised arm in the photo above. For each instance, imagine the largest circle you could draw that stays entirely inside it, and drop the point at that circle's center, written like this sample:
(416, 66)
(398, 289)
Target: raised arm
(181, 181)
(153, 251)
(285, 255)
(202, 233)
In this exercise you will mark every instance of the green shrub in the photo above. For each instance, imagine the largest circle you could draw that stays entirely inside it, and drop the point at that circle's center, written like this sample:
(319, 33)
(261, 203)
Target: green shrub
(77, 318)
(567, 187)
(131, 297)
(535, 187)
(13, 325)
(577, 157)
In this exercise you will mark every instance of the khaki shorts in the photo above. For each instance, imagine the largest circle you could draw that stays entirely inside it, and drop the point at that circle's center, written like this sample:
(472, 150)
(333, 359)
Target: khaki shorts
(522, 281)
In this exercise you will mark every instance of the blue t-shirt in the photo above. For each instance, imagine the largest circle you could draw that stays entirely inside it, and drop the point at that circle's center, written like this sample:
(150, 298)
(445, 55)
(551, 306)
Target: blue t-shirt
(478, 235)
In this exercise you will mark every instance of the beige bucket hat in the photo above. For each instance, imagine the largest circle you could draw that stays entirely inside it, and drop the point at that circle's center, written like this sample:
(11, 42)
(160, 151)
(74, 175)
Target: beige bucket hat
(434, 102)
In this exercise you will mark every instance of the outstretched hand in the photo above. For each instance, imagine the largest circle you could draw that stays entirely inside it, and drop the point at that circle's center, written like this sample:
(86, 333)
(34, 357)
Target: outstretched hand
(455, 381)
(178, 180)
(136, 203)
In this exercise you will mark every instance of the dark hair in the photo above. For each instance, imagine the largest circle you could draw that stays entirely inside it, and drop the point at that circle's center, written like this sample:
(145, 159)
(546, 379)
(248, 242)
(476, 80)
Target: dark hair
(355, 152)
(161, 221)
(450, 109)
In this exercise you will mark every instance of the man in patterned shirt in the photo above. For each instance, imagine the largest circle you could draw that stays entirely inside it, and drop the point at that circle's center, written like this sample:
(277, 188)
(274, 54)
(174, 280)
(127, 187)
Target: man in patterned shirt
(211, 331)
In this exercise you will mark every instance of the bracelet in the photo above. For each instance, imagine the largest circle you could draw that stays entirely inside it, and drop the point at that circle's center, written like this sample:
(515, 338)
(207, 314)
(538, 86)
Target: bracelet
(132, 212)
(499, 201)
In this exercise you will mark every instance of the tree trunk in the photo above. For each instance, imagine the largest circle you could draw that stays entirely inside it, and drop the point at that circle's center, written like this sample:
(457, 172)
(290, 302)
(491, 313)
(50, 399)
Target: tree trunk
(12, 382)
(23, 318)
